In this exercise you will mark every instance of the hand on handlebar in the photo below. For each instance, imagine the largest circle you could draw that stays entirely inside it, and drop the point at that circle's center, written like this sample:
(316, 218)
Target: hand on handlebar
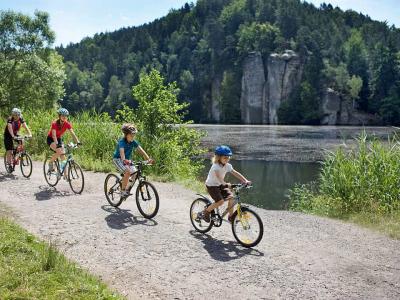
(127, 162)
(151, 161)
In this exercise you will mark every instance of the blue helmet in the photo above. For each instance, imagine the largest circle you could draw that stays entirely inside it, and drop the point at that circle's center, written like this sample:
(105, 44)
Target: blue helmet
(63, 112)
(223, 151)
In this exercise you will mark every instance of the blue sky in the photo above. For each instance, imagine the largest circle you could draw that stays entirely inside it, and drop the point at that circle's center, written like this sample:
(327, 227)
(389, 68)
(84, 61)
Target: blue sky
(74, 19)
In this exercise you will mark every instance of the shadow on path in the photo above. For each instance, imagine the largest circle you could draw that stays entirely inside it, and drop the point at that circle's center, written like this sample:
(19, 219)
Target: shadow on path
(224, 250)
(122, 218)
(47, 192)
(7, 176)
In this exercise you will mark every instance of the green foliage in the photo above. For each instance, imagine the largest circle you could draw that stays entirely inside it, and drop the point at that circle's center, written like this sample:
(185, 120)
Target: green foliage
(164, 136)
(31, 269)
(198, 43)
(230, 98)
(30, 71)
(257, 37)
(351, 182)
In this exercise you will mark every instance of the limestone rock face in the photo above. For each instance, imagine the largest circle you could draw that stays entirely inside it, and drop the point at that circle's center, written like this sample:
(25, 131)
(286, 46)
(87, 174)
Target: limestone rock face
(331, 106)
(216, 99)
(284, 75)
(252, 97)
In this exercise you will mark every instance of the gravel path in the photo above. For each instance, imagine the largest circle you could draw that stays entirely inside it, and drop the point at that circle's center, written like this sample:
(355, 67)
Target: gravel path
(301, 256)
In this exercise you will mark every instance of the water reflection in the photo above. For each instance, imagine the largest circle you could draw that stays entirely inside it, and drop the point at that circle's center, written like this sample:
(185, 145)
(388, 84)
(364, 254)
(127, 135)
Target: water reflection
(271, 180)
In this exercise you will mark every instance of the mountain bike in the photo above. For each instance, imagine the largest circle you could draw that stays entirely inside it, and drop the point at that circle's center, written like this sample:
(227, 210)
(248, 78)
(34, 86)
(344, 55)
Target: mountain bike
(146, 195)
(247, 226)
(69, 170)
(20, 156)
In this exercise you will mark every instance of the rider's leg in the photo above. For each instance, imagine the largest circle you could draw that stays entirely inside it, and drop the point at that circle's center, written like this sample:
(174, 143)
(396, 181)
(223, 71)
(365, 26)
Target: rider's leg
(214, 205)
(125, 179)
(9, 156)
(57, 152)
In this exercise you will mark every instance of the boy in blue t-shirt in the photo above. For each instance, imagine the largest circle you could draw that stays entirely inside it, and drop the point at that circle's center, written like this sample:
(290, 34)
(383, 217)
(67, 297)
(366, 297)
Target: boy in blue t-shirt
(123, 153)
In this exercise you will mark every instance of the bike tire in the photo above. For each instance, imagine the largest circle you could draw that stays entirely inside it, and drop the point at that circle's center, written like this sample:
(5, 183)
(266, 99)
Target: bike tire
(193, 215)
(26, 161)
(112, 190)
(143, 197)
(75, 174)
(246, 242)
(51, 178)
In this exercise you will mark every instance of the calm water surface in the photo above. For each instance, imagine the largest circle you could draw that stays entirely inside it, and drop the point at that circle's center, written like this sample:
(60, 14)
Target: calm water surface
(275, 158)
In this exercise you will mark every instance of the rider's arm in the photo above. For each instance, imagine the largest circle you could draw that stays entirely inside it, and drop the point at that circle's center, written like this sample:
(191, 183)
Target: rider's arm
(27, 128)
(143, 153)
(10, 129)
(239, 176)
(74, 136)
(122, 153)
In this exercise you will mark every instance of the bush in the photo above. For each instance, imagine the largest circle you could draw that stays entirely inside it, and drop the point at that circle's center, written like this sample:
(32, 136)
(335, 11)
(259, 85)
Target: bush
(162, 132)
(365, 179)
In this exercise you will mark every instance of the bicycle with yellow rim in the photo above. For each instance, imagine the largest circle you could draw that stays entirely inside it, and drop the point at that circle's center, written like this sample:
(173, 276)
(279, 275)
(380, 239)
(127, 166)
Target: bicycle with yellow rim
(247, 226)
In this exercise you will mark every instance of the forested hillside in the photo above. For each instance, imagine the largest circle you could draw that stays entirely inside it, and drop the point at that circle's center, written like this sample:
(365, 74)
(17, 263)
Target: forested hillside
(205, 48)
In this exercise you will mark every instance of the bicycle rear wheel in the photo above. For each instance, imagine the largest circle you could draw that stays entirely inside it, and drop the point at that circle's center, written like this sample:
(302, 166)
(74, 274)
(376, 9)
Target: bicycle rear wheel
(247, 228)
(147, 199)
(9, 167)
(52, 177)
(197, 207)
(112, 190)
(75, 177)
(26, 165)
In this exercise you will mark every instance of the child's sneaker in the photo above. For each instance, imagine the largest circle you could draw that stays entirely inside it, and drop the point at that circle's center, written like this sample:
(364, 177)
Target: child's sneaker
(205, 215)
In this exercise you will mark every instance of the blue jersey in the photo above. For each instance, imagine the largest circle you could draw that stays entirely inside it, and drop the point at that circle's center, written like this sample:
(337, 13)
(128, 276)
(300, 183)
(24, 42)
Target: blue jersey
(128, 147)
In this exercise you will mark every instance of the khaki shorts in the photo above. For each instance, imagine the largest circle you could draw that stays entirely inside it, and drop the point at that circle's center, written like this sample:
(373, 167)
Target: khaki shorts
(219, 192)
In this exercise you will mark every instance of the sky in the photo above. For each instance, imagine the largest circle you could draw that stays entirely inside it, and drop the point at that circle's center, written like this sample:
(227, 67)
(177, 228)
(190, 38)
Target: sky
(73, 20)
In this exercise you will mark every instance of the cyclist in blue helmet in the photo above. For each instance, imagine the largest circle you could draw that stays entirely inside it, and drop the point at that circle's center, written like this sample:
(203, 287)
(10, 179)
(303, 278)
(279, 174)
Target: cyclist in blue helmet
(218, 189)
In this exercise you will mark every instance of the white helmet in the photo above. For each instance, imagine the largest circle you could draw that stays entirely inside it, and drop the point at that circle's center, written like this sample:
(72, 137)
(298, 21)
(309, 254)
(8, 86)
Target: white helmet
(16, 111)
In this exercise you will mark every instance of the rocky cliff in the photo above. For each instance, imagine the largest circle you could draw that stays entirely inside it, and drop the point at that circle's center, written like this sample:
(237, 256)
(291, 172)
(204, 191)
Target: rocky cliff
(253, 82)
(262, 95)
(265, 89)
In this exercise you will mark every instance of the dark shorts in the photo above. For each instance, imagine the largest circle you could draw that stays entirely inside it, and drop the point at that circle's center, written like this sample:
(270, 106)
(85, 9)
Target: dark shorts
(50, 141)
(8, 142)
(219, 192)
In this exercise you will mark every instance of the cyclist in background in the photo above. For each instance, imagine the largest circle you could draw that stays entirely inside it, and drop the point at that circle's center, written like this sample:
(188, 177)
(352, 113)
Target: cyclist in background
(14, 124)
(55, 134)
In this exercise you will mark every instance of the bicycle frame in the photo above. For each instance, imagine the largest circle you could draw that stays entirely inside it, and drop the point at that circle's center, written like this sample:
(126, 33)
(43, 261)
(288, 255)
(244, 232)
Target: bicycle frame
(69, 159)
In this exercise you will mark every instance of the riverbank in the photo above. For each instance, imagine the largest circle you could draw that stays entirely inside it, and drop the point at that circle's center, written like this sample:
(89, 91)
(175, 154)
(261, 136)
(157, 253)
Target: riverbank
(300, 256)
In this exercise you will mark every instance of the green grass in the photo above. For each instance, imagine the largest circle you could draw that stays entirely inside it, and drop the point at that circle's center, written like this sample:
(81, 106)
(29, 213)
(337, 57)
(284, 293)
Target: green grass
(31, 269)
(361, 186)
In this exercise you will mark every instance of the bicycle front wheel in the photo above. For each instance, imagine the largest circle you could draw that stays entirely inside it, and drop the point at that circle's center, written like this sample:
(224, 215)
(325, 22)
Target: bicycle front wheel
(75, 177)
(26, 165)
(52, 177)
(147, 199)
(112, 190)
(198, 206)
(247, 227)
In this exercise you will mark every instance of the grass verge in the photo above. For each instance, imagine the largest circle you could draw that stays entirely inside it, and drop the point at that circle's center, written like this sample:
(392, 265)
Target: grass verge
(31, 269)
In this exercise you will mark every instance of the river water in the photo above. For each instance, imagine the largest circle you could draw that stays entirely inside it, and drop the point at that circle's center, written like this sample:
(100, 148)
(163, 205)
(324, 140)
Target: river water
(275, 158)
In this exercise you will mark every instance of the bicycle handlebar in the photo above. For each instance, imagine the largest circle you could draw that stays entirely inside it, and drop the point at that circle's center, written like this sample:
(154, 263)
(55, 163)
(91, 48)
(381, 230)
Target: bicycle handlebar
(239, 186)
(142, 163)
(21, 138)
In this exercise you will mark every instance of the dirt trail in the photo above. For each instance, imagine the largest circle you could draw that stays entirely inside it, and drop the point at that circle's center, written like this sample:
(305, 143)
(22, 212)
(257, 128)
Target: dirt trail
(300, 256)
